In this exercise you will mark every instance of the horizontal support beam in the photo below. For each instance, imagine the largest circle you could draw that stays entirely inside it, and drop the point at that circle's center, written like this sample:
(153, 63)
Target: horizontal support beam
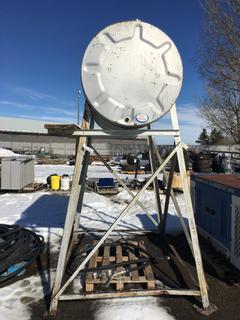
(133, 293)
(125, 133)
(116, 232)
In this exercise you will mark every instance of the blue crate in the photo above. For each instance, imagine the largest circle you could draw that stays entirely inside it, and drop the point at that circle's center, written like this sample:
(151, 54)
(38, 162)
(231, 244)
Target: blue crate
(106, 183)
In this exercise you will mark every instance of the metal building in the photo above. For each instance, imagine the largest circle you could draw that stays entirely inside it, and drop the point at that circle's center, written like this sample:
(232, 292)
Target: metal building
(30, 136)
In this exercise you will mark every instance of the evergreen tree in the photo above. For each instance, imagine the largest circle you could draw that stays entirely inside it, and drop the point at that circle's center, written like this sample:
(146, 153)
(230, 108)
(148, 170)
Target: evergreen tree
(203, 137)
(216, 136)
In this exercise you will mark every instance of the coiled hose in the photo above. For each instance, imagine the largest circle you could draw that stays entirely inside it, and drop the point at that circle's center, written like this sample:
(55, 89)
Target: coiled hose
(19, 247)
(139, 263)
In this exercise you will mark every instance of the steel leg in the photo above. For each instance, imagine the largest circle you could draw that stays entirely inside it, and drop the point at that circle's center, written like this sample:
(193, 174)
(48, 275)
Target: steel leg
(191, 219)
(155, 181)
(70, 217)
(168, 194)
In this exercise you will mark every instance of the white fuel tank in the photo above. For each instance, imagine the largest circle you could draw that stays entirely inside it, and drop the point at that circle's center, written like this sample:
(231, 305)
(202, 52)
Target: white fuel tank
(131, 74)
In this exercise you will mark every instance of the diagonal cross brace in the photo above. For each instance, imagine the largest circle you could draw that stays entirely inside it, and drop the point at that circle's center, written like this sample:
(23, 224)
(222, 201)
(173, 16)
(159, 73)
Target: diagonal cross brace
(111, 228)
(114, 173)
(155, 181)
(175, 202)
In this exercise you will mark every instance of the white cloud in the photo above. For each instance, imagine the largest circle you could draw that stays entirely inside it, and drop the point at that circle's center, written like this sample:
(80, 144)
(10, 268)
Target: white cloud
(49, 118)
(33, 94)
(188, 114)
(41, 96)
(40, 108)
(190, 124)
(60, 111)
(14, 104)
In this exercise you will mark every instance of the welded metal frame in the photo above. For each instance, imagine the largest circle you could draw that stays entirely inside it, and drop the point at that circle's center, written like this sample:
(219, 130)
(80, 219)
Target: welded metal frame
(71, 228)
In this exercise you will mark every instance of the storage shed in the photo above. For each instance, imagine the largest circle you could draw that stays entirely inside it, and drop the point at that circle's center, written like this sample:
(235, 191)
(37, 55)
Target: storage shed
(16, 173)
(216, 201)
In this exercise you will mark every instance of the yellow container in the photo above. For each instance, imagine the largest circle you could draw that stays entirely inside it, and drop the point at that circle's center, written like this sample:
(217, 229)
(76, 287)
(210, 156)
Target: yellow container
(55, 182)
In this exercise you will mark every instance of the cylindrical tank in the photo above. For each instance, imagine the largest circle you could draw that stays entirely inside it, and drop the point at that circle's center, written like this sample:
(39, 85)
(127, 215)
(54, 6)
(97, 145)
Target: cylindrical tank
(65, 182)
(55, 182)
(131, 74)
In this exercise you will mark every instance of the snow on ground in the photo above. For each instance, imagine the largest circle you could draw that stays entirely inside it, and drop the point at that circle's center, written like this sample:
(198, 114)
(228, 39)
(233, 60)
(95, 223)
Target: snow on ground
(45, 213)
(40, 211)
(43, 171)
(99, 211)
(17, 297)
(5, 153)
(131, 308)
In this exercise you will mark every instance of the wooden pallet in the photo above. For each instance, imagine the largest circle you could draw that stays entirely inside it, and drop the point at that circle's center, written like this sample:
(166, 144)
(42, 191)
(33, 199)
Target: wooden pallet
(114, 254)
(32, 187)
(133, 172)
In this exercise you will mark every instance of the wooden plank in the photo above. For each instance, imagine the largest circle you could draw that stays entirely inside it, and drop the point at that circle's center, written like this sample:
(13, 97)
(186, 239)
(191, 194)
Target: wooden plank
(92, 264)
(105, 262)
(63, 130)
(148, 269)
(133, 172)
(111, 258)
(119, 284)
(135, 275)
(141, 279)
(106, 254)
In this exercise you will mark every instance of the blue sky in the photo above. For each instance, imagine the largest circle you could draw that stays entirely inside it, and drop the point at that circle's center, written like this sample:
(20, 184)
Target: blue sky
(42, 44)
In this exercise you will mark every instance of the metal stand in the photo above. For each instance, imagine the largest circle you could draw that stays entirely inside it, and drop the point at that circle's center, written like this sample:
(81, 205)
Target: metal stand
(84, 148)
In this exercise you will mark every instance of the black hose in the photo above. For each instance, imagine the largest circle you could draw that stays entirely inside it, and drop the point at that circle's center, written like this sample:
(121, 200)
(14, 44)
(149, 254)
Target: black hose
(110, 266)
(141, 261)
(17, 246)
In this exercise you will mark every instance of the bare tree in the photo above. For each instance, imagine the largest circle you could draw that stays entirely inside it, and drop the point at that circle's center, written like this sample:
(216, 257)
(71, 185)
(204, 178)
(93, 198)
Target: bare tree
(219, 65)
(222, 111)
